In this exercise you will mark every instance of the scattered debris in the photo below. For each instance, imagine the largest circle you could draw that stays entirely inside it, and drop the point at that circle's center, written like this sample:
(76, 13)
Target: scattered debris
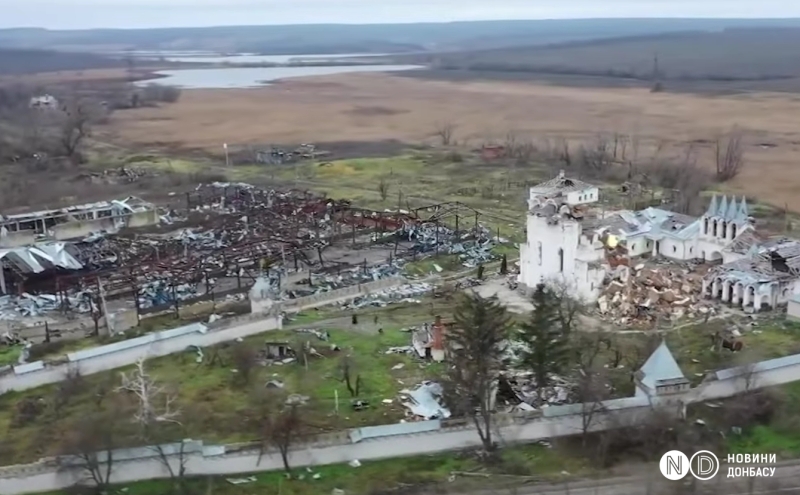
(241, 481)
(402, 294)
(425, 401)
(642, 294)
(354, 463)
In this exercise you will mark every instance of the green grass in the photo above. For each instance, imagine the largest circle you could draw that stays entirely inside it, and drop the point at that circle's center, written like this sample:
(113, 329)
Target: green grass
(773, 337)
(9, 355)
(373, 476)
(213, 405)
(427, 266)
(422, 178)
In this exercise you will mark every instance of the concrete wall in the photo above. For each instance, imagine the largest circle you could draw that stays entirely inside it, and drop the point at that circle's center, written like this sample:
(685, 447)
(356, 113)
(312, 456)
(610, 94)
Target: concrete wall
(128, 352)
(44, 476)
(125, 353)
(404, 440)
(18, 239)
(782, 371)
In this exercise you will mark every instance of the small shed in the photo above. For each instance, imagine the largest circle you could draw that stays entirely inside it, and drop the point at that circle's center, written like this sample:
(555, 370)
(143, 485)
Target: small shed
(277, 350)
(493, 152)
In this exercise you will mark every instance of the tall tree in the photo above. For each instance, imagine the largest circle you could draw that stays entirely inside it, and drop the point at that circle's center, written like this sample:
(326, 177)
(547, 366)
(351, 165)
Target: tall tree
(279, 419)
(546, 347)
(477, 344)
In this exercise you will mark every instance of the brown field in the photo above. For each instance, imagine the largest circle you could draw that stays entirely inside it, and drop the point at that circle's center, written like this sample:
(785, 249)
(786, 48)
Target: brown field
(372, 107)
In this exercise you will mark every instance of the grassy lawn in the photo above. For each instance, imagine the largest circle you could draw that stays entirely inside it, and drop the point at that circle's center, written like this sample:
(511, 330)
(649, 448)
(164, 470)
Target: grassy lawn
(9, 355)
(772, 337)
(213, 404)
(418, 179)
(530, 460)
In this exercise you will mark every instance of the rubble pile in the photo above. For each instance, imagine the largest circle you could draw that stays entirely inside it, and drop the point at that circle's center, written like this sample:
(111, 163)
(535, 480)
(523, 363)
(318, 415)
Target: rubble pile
(642, 294)
(425, 401)
(519, 387)
(473, 248)
(351, 276)
(403, 294)
(234, 232)
(13, 307)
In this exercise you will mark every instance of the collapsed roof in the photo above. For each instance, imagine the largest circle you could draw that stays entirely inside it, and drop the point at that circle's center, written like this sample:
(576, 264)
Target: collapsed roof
(652, 222)
(42, 257)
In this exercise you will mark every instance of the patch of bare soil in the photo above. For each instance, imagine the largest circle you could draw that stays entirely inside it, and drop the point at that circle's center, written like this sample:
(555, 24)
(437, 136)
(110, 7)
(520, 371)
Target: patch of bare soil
(330, 109)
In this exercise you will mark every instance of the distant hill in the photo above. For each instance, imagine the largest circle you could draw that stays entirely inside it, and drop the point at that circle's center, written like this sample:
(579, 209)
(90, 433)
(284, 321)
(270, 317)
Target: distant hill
(340, 38)
(731, 55)
(21, 61)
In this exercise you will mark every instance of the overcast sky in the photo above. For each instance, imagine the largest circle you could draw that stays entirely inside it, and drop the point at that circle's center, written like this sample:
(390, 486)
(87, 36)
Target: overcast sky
(79, 14)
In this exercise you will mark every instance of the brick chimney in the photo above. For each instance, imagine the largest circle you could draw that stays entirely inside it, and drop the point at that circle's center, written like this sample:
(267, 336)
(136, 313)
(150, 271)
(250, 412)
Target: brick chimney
(437, 344)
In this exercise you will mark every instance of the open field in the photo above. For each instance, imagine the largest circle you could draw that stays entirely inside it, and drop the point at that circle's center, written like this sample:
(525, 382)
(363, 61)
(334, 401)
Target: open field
(730, 60)
(330, 109)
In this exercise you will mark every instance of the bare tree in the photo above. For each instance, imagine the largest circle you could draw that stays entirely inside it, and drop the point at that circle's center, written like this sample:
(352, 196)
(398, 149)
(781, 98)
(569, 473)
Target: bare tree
(477, 341)
(279, 421)
(174, 458)
(592, 388)
(729, 156)
(72, 385)
(75, 127)
(682, 176)
(383, 188)
(563, 152)
(244, 360)
(347, 367)
(445, 131)
(88, 448)
(150, 396)
(570, 308)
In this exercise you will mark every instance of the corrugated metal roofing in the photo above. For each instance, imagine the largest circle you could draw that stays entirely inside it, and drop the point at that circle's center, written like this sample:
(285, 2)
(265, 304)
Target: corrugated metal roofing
(653, 222)
(41, 257)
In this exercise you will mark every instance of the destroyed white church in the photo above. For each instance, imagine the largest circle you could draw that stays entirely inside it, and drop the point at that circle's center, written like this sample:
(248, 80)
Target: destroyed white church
(568, 244)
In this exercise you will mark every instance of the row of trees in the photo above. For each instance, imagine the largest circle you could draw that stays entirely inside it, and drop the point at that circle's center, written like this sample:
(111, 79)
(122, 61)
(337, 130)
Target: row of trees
(140, 410)
(62, 131)
(552, 343)
(618, 157)
(548, 347)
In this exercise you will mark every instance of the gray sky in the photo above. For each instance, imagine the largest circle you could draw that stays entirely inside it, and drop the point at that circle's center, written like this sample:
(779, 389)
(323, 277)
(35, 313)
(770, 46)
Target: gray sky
(78, 14)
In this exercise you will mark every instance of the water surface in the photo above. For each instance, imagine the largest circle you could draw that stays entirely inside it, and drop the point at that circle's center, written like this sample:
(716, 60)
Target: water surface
(248, 58)
(252, 77)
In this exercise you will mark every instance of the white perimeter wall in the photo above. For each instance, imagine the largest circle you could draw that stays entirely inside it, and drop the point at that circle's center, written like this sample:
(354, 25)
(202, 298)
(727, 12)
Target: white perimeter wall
(397, 441)
(39, 373)
(44, 476)
(53, 373)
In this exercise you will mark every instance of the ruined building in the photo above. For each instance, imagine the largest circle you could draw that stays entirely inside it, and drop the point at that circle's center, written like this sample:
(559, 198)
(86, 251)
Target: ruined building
(557, 250)
(74, 222)
(765, 275)
(567, 244)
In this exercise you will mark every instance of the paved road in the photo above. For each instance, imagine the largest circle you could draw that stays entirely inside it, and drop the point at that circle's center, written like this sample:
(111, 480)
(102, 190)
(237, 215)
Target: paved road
(785, 482)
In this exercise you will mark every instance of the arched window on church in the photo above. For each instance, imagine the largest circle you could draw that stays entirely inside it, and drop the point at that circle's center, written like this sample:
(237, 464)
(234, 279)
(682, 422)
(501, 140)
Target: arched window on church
(705, 227)
(733, 231)
(540, 253)
(724, 233)
(715, 228)
(561, 260)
